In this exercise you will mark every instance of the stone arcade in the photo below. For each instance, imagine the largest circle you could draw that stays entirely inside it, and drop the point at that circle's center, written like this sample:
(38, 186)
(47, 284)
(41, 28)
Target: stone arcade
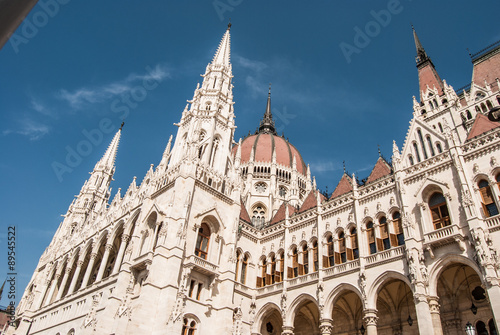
(234, 238)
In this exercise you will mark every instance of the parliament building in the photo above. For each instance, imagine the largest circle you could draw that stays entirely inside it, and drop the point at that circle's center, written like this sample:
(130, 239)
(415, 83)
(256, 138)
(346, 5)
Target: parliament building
(233, 237)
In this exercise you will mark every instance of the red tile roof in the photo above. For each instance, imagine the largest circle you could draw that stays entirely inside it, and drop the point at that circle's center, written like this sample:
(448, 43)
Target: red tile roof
(311, 201)
(344, 186)
(280, 214)
(244, 214)
(481, 125)
(381, 169)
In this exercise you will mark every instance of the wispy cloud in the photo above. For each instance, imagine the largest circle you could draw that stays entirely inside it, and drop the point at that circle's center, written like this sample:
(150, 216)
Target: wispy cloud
(29, 128)
(324, 166)
(83, 96)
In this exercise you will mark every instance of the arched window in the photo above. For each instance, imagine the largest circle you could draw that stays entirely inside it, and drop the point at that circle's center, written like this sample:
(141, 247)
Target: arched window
(489, 206)
(188, 328)
(354, 243)
(398, 229)
(497, 178)
(410, 159)
(431, 148)
(295, 264)
(370, 233)
(315, 256)
(261, 281)
(282, 191)
(440, 127)
(421, 139)
(483, 108)
(273, 270)
(384, 234)
(488, 104)
(258, 216)
(469, 115)
(439, 211)
(417, 154)
(238, 264)
(304, 267)
(438, 147)
(280, 268)
(244, 266)
(202, 241)
(481, 328)
(215, 147)
(330, 261)
(342, 249)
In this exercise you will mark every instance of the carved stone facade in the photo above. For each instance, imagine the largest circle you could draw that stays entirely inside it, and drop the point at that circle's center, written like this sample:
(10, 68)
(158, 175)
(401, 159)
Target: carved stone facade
(233, 238)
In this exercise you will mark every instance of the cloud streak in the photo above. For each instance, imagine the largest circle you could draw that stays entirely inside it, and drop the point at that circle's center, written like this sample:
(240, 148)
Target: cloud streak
(84, 96)
(29, 128)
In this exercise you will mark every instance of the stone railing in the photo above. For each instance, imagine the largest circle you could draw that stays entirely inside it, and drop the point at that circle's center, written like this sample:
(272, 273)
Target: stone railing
(392, 253)
(201, 264)
(441, 234)
(303, 279)
(493, 222)
(270, 288)
(340, 268)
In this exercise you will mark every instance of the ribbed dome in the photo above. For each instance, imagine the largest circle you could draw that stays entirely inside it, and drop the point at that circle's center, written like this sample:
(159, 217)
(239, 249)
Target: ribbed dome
(264, 145)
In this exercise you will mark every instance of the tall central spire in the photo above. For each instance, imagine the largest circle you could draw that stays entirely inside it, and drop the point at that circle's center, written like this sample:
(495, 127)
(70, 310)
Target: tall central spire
(267, 123)
(222, 56)
(428, 77)
(107, 162)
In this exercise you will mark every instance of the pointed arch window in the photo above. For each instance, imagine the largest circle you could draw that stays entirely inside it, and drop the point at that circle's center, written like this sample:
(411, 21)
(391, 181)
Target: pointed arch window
(354, 243)
(259, 216)
(410, 159)
(417, 154)
(384, 234)
(398, 229)
(431, 148)
(370, 233)
(238, 265)
(488, 203)
(294, 270)
(315, 256)
(273, 270)
(244, 266)
(439, 211)
(342, 248)
(280, 268)
(304, 267)
(202, 241)
(422, 144)
(264, 272)
(438, 147)
(330, 258)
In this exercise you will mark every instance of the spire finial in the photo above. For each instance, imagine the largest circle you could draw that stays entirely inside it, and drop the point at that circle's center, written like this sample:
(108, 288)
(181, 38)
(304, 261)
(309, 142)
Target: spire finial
(229, 24)
(343, 163)
(379, 153)
(421, 54)
(121, 126)
(267, 124)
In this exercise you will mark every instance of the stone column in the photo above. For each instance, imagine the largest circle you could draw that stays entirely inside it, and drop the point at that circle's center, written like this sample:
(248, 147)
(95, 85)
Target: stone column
(425, 320)
(104, 260)
(88, 272)
(121, 253)
(370, 318)
(79, 265)
(325, 326)
(287, 330)
(63, 283)
(53, 287)
(435, 315)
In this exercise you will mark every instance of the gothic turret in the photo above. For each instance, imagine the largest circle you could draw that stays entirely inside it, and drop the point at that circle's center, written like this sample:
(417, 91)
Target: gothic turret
(428, 77)
(95, 191)
(206, 128)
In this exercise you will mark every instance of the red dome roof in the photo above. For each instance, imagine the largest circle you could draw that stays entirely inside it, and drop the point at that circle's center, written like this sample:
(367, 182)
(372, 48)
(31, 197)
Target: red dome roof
(264, 145)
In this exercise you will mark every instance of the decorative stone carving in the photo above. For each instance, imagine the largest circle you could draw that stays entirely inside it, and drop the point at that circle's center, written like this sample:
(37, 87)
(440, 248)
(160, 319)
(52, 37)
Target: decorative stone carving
(325, 326)
(321, 296)
(283, 303)
(90, 319)
(493, 161)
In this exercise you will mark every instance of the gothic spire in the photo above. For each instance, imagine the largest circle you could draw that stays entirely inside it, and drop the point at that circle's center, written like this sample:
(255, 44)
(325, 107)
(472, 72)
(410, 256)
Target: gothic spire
(222, 56)
(267, 123)
(428, 77)
(107, 162)
(421, 54)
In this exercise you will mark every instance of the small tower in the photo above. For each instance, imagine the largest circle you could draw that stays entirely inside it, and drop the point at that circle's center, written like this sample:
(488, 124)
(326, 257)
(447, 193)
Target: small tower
(428, 77)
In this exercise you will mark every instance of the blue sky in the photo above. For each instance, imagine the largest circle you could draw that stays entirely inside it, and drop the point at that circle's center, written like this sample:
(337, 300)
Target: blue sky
(70, 67)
